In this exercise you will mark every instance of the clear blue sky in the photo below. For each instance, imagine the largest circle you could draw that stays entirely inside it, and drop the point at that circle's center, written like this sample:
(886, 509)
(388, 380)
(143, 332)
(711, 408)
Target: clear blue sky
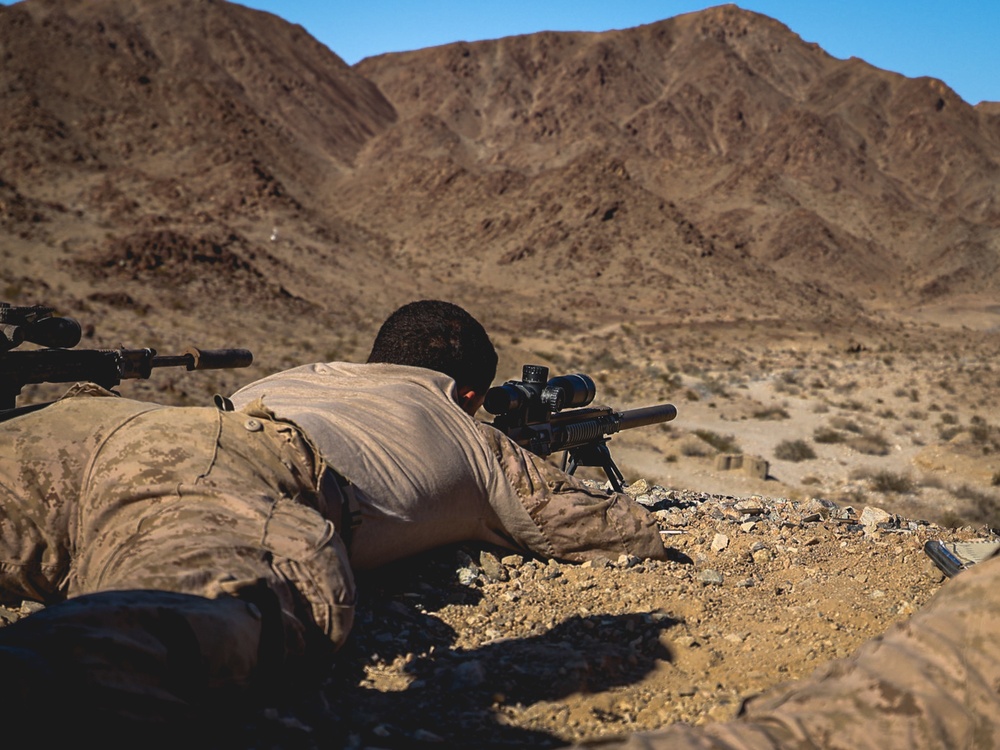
(957, 41)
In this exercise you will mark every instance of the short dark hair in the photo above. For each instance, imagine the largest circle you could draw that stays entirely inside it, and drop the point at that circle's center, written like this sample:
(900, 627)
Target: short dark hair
(439, 336)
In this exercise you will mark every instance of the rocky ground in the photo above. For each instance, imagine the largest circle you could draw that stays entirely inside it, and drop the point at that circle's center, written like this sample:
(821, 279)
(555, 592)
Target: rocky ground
(472, 647)
(478, 648)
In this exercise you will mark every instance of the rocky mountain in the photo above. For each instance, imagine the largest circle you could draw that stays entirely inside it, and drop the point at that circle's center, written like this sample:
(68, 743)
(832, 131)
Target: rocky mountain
(166, 162)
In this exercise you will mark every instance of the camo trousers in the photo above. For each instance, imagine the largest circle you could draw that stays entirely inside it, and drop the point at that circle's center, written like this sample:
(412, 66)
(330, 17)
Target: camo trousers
(198, 549)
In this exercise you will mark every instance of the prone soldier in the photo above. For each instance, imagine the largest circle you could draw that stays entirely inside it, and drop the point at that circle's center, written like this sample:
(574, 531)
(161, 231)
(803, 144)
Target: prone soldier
(189, 554)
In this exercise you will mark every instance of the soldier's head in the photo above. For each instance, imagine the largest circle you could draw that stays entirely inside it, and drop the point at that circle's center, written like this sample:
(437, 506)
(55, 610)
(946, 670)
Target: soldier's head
(443, 337)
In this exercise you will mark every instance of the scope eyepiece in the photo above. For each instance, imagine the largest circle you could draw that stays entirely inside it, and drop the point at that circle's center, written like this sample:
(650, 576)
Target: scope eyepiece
(503, 399)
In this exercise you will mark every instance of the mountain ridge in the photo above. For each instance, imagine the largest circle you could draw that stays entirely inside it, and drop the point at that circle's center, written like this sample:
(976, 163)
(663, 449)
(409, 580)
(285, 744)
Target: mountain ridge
(562, 177)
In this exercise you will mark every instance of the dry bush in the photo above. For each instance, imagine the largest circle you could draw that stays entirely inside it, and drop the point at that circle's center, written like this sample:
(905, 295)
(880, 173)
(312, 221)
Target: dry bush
(849, 425)
(694, 449)
(852, 405)
(794, 450)
(870, 443)
(984, 507)
(773, 412)
(828, 435)
(721, 443)
(890, 482)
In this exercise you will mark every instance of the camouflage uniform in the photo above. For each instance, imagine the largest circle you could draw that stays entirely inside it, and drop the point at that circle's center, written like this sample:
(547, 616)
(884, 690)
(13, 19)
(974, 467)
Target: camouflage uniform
(200, 550)
(425, 474)
(930, 682)
(212, 535)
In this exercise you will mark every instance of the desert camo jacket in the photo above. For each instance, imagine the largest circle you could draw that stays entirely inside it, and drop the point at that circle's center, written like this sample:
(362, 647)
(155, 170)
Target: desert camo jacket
(100, 493)
(426, 474)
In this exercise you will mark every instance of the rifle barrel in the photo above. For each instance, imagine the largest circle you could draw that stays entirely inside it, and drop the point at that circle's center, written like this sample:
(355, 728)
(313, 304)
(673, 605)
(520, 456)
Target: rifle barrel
(647, 415)
(206, 359)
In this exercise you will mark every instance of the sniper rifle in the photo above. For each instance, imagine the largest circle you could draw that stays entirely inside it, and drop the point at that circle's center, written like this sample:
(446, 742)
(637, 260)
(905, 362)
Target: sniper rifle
(58, 362)
(530, 412)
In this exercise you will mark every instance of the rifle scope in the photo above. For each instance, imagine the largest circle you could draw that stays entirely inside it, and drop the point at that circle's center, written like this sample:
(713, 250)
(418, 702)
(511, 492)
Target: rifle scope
(536, 391)
(37, 325)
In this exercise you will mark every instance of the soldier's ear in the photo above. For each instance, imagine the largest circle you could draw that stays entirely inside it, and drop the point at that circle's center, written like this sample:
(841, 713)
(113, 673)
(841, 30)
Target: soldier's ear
(469, 399)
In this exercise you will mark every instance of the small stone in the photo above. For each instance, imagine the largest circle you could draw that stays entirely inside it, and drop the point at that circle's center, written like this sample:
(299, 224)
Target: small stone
(710, 577)
(720, 542)
(492, 567)
(422, 735)
(467, 576)
(871, 517)
(750, 507)
(639, 487)
(628, 561)
(469, 674)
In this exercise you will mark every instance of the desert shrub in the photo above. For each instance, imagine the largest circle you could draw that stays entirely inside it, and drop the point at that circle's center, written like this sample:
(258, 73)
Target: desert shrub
(715, 386)
(852, 405)
(871, 444)
(984, 434)
(693, 449)
(780, 386)
(947, 418)
(983, 506)
(891, 482)
(843, 423)
(847, 387)
(672, 380)
(886, 414)
(947, 433)
(794, 450)
(789, 377)
(605, 360)
(722, 443)
(691, 395)
(827, 435)
(773, 412)
(932, 480)
(995, 480)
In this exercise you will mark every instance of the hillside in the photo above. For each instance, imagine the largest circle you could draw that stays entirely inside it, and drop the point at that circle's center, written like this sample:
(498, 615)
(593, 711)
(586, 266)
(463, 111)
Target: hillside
(801, 252)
